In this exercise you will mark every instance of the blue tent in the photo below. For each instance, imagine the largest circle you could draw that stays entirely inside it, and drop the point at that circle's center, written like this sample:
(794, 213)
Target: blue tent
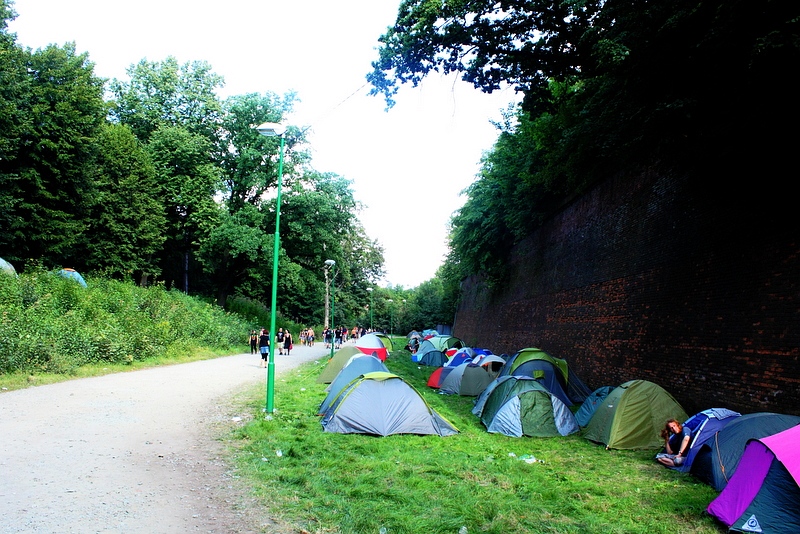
(589, 406)
(717, 460)
(704, 425)
(73, 274)
(7, 267)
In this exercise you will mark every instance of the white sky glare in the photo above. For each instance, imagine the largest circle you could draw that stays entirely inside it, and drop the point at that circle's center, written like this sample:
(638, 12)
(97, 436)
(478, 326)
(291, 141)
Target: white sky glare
(408, 165)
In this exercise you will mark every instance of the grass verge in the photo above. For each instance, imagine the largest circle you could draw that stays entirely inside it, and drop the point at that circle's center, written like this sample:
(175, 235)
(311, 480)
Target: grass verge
(335, 483)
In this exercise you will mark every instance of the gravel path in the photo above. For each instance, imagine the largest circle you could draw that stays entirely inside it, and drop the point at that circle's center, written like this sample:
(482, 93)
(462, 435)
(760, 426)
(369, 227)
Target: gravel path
(135, 452)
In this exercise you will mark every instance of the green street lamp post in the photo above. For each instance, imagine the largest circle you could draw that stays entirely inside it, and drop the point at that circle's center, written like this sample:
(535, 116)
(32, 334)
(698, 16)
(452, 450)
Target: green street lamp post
(270, 129)
(369, 289)
(331, 264)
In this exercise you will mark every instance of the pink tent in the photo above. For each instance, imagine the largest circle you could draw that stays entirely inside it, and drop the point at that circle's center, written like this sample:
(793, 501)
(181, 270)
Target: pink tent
(763, 495)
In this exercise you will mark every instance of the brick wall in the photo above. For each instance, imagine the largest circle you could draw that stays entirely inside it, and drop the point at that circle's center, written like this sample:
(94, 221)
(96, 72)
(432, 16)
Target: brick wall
(656, 278)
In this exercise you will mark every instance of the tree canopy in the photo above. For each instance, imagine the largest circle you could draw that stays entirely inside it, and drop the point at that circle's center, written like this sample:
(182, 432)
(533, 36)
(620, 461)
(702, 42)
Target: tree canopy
(156, 179)
(610, 87)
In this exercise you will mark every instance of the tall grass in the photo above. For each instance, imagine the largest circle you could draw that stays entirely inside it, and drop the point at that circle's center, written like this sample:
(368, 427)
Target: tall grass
(52, 325)
(329, 483)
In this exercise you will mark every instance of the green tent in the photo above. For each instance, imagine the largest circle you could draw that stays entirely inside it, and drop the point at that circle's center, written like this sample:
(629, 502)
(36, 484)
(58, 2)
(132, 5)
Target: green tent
(335, 364)
(444, 343)
(519, 406)
(387, 341)
(632, 416)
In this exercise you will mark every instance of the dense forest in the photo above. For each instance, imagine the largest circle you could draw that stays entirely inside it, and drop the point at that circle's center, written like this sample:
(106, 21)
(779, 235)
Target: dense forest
(610, 87)
(156, 180)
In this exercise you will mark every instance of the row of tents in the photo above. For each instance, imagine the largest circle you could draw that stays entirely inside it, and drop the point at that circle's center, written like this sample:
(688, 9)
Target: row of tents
(752, 459)
(363, 397)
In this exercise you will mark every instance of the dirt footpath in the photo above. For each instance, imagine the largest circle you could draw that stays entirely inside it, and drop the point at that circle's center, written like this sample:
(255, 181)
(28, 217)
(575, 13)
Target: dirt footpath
(133, 452)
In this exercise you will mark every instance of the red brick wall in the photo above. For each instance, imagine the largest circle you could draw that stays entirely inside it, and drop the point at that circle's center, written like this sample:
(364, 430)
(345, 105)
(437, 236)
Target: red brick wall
(655, 278)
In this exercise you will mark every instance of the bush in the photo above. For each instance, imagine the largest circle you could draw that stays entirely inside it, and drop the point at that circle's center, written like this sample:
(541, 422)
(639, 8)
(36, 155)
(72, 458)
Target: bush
(52, 324)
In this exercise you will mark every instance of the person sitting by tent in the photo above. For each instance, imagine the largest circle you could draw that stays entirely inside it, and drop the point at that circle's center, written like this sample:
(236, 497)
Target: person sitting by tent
(413, 345)
(676, 443)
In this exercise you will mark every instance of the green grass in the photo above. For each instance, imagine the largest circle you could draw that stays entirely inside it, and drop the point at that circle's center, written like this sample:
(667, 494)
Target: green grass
(328, 483)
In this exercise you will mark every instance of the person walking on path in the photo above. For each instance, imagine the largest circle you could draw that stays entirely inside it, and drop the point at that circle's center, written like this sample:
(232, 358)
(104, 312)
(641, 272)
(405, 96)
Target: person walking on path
(253, 342)
(263, 346)
(279, 340)
(287, 342)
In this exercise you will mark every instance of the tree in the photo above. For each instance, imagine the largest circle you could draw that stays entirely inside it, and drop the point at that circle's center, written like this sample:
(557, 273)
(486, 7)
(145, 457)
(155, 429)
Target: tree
(187, 182)
(651, 82)
(249, 161)
(51, 186)
(15, 125)
(168, 94)
(127, 223)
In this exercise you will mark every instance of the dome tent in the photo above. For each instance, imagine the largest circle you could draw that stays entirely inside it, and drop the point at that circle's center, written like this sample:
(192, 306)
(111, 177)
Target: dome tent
(764, 493)
(519, 406)
(718, 458)
(382, 404)
(335, 364)
(633, 415)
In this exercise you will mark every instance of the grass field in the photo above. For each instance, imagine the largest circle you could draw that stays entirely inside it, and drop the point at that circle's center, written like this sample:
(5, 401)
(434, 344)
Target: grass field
(336, 483)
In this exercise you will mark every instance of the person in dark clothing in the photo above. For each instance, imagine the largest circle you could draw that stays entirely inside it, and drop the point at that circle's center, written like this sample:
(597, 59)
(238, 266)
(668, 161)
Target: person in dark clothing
(287, 342)
(253, 342)
(279, 339)
(676, 443)
(263, 346)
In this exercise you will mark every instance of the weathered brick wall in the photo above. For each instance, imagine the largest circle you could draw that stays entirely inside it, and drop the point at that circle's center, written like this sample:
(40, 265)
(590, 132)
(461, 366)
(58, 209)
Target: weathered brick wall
(654, 278)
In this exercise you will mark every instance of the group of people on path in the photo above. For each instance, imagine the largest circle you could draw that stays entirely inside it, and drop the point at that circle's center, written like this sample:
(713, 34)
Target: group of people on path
(260, 342)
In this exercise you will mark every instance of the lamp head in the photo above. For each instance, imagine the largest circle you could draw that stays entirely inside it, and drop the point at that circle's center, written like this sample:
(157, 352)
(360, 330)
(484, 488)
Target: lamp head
(369, 289)
(330, 263)
(271, 129)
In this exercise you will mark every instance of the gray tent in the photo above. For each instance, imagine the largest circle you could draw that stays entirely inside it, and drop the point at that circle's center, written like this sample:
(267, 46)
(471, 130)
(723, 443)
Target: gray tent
(382, 404)
(467, 379)
(356, 366)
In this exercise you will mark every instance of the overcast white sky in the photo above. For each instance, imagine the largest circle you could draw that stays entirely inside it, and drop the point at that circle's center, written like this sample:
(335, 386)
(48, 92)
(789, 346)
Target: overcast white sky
(408, 165)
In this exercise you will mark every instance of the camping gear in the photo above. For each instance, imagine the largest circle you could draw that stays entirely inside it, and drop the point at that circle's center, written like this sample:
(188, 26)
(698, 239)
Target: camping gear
(763, 495)
(356, 366)
(7, 268)
(438, 375)
(492, 363)
(373, 345)
(589, 406)
(428, 354)
(382, 404)
(335, 364)
(535, 363)
(445, 343)
(519, 406)
(387, 341)
(72, 274)
(462, 355)
(717, 460)
(467, 380)
(703, 426)
(633, 415)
